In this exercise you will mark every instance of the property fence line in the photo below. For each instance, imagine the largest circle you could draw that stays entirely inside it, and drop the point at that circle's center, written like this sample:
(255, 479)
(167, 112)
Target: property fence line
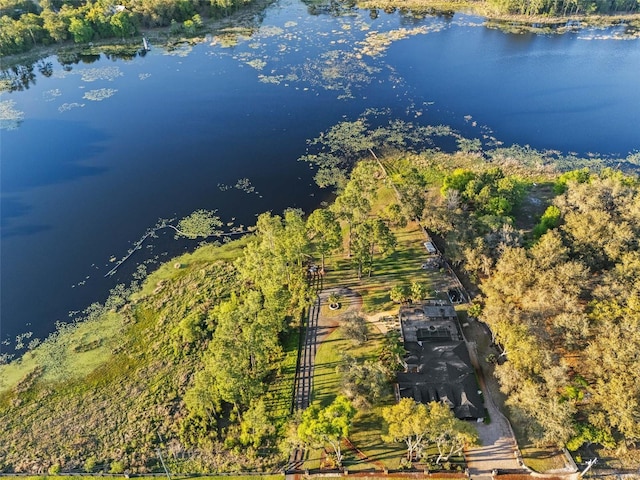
(140, 475)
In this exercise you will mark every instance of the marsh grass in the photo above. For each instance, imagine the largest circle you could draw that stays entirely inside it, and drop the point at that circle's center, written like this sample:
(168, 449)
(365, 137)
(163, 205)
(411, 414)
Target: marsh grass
(114, 383)
(77, 349)
(72, 352)
(207, 253)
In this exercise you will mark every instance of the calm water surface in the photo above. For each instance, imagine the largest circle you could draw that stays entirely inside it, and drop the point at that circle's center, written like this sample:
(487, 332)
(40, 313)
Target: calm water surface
(105, 149)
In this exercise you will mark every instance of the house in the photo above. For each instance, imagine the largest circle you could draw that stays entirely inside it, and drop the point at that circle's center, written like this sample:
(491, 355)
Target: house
(438, 365)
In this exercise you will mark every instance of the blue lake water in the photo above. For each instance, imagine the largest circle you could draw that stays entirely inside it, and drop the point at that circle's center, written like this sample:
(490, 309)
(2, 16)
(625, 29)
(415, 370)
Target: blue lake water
(104, 149)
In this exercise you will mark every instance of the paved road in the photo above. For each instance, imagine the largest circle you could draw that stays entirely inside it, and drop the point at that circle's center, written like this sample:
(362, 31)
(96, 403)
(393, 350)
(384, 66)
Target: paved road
(499, 449)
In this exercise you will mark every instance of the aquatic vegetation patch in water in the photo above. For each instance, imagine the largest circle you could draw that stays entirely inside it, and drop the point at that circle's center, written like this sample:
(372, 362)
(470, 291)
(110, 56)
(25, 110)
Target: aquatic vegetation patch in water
(181, 50)
(343, 68)
(21, 338)
(270, 31)
(100, 73)
(610, 34)
(257, 64)
(230, 37)
(100, 94)
(6, 85)
(337, 70)
(244, 185)
(273, 79)
(51, 95)
(377, 43)
(10, 117)
(65, 107)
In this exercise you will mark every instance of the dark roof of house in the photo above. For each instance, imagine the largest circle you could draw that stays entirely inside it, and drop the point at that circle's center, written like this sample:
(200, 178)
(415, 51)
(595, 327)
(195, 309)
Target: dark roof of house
(441, 371)
(438, 364)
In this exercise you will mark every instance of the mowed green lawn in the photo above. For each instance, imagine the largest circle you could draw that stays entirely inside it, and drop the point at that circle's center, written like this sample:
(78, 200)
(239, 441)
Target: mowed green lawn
(367, 425)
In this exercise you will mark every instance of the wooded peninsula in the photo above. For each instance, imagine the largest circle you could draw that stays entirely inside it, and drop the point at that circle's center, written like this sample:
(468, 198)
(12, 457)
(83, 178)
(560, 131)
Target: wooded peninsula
(193, 368)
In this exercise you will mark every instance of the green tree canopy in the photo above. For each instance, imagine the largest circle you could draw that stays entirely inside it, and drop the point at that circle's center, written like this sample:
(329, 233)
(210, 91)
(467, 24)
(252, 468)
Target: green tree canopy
(419, 425)
(324, 232)
(330, 425)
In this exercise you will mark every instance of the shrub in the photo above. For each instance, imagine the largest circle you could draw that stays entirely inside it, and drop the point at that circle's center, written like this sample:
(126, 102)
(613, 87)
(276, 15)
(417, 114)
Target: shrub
(117, 467)
(355, 329)
(399, 293)
(90, 464)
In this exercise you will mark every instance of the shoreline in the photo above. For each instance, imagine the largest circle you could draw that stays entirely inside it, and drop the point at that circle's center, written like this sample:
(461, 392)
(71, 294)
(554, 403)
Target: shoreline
(162, 38)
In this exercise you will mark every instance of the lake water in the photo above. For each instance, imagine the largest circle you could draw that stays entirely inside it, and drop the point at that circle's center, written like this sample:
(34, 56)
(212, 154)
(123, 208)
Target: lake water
(100, 150)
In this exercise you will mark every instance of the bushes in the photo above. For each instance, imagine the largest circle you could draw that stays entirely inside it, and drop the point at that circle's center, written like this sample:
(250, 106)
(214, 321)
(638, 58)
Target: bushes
(550, 219)
(355, 329)
(116, 467)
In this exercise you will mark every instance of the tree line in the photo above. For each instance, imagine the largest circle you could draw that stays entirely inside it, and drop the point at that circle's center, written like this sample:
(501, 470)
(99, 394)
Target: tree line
(560, 8)
(565, 310)
(25, 24)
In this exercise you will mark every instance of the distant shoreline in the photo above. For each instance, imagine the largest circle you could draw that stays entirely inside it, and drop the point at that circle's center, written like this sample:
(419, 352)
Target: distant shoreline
(161, 36)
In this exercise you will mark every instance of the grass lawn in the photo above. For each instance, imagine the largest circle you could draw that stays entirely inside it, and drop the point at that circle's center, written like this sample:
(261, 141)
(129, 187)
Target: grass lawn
(541, 459)
(326, 380)
(401, 267)
(365, 436)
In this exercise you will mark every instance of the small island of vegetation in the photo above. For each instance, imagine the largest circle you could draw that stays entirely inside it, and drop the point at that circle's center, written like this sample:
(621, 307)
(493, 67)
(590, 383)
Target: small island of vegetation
(194, 369)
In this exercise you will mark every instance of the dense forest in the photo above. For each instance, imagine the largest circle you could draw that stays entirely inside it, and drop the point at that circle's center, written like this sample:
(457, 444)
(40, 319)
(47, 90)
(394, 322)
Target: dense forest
(556, 8)
(25, 23)
(565, 309)
(561, 300)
